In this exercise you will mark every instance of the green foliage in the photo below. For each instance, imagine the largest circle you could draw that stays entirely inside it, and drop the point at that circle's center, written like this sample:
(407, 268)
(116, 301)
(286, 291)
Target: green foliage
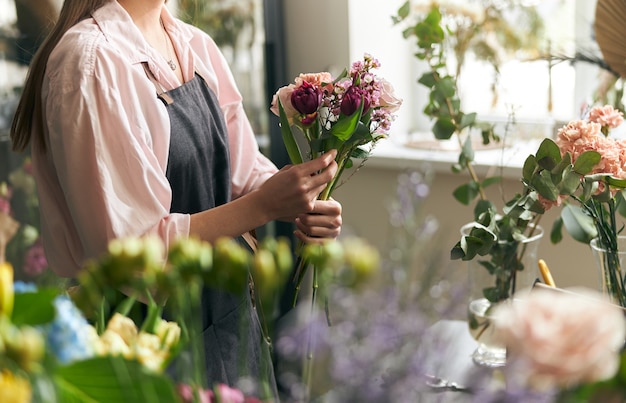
(495, 237)
(112, 379)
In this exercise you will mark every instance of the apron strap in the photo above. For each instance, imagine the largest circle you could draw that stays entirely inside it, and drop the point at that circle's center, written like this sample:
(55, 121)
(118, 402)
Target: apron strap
(161, 93)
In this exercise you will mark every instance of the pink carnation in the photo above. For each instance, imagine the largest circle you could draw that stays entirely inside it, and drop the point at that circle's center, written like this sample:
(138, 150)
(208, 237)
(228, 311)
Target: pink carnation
(578, 136)
(560, 338)
(606, 116)
(548, 204)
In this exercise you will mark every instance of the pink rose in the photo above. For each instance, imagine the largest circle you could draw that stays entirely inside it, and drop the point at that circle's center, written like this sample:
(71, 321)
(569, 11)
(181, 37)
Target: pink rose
(322, 80)
(388, 98)
(561, 338)
(284, 94)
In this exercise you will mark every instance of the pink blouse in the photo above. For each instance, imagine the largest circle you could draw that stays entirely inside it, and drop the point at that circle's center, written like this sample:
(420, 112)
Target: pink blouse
(107, 136)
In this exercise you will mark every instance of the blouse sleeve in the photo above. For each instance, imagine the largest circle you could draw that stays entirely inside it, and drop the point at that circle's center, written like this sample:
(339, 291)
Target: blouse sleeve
(108, 144)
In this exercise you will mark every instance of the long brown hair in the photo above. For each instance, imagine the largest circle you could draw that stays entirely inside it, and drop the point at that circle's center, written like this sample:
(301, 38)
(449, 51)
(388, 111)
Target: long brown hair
(28, 119)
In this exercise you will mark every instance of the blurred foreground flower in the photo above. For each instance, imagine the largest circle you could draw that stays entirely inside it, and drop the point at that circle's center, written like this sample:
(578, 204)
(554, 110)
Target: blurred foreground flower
(14, 388)
(561, 339)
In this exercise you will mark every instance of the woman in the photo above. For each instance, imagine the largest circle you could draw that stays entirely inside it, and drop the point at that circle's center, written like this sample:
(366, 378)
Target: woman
(137, 128)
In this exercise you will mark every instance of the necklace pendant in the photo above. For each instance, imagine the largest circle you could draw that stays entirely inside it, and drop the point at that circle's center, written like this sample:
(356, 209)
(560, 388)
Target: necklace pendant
(171, 64)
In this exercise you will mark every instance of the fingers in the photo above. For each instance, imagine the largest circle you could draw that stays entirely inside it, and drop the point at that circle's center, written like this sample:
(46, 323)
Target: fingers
(323, 223)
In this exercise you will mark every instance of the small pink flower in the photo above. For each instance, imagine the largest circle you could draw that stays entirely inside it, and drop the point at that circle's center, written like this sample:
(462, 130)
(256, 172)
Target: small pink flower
(227, 394)
(561, 339)
(35, 261)
(5, 206)
(186, 393)
(606, 116)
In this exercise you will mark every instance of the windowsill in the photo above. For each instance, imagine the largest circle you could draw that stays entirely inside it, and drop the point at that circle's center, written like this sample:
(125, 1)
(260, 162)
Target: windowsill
(397, 153)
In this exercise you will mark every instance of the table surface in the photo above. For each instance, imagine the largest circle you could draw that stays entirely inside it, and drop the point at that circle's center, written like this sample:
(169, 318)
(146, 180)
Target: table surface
(454, 345)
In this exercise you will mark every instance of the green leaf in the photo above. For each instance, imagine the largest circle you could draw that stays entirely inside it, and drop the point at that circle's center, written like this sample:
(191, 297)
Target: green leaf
(346, 125)
(556, 234)
(34, 308)
(443, 128)
(570, 182)
(548, 154)
(428, 79)
(467, 120)
(586, 161)
(112, 380)
(295, 155)
(528, 170)
(466, 193)
(404, 10)
(467, 152)
(621, 203)
(483, 206)
(616, 182)
(578, 224)
(491, 181)
(445, 87)
(359, 153)
(542, 183)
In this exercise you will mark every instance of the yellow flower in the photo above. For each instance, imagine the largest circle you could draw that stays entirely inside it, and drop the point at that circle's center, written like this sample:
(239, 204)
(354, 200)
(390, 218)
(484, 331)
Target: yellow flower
(25, 345)
(6, 289)
(14, 389)
(168, 333)
(112, 343)
(147, 351)
(124, 326)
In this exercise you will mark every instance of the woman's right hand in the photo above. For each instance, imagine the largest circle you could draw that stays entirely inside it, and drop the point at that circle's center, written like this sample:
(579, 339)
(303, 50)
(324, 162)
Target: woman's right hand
(293, 189)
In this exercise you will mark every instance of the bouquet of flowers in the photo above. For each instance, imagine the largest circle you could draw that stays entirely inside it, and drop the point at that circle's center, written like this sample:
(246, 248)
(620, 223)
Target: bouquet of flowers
(584, 171)
(349, 113)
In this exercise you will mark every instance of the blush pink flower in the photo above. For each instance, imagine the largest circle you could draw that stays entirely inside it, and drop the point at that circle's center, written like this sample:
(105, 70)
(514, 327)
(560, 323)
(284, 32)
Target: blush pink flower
(388, 98)
(606, 116)
(284, 95)
(561, 338)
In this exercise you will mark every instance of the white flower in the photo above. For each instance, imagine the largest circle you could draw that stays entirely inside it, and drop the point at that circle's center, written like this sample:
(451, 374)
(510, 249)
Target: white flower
(561, 338)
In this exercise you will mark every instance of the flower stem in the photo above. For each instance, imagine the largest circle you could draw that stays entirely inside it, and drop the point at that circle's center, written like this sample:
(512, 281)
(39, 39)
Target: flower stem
(307, 374)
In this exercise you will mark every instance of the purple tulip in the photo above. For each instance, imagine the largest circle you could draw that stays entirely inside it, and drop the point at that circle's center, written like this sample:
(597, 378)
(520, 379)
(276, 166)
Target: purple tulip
(306, 99)
(351, 101)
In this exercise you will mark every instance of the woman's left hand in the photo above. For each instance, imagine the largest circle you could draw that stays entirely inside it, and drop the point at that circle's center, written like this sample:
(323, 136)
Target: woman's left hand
(321, 224)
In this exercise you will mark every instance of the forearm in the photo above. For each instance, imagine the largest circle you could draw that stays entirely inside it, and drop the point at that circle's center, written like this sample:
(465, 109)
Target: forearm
(229, 220)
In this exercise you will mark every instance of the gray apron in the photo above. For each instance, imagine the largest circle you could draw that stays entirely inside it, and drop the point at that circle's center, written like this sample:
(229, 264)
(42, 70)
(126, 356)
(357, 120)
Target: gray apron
(198, 170)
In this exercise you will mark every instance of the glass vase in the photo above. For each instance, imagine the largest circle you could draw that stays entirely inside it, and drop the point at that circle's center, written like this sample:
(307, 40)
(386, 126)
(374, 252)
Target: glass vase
(609, 267)
(483, 276)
